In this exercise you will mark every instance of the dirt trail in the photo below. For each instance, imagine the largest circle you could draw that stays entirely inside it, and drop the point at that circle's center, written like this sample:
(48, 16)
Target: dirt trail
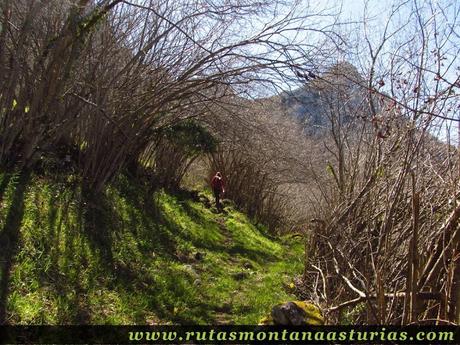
(223, 314)
(224, 230)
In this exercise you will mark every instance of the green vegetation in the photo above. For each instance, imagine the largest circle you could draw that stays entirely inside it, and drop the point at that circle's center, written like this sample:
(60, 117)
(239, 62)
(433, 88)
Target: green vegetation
(134, 257)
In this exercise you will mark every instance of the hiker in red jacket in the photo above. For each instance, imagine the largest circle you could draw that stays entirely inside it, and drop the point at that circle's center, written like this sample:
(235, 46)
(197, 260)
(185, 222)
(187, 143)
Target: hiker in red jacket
(217, 184)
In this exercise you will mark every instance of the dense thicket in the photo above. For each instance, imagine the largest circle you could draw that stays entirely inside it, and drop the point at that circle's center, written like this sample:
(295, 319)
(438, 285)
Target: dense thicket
(385, 240)
(149, 86)
(103, 77)
(264, 157)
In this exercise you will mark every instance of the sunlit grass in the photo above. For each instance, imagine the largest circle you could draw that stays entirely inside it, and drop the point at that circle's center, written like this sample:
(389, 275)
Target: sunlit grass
(133, 257)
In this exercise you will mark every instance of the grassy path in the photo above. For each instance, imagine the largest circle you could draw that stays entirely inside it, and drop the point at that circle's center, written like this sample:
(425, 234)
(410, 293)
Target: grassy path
(136, 258)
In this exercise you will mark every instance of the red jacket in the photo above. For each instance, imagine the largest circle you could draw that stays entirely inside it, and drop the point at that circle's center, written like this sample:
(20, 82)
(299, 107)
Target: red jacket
(217, 183)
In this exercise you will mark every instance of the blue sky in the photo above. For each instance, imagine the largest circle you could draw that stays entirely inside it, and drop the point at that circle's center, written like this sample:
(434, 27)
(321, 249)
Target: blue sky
(377, 13)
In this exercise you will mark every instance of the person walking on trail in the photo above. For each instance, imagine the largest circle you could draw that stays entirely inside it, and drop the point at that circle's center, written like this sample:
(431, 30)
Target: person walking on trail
(218, 188)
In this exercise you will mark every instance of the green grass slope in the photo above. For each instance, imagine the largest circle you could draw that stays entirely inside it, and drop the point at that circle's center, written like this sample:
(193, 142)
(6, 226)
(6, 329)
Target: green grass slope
(133, 256)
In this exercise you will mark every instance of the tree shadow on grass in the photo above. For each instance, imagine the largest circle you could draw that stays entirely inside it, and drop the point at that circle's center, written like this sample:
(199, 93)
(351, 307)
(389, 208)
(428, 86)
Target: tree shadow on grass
(155, 232)
(104, 226)
(74, 238)
(9, 238)
(144, 214)
(4, 184)
(97, 224)
(130, 215)
(261, 257)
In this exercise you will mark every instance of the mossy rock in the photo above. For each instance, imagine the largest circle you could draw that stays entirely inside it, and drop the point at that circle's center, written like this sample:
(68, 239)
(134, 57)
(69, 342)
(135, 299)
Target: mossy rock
(296, 313)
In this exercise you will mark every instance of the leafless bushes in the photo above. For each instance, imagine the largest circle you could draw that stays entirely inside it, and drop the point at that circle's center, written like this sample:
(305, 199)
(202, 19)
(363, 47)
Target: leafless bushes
(110, 80)
(175, 149)
(261, 156)
(387, 250)
(375, 245)
(104, 76)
